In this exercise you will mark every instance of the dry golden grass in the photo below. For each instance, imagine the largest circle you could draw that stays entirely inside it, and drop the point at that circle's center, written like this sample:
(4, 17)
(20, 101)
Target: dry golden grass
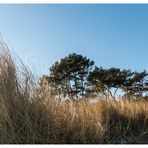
(27, 117)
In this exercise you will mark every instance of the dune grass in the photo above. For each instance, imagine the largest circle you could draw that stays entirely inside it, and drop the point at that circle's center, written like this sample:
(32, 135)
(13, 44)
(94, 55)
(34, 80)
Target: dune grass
(27, 117)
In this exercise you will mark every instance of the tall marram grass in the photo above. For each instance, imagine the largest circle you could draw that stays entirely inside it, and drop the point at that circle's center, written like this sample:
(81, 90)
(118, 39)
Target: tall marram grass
(28, 117)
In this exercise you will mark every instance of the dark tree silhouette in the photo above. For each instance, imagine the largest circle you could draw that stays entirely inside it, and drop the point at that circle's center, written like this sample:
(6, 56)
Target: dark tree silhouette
(136, 85)
(69, 76)
(108, 80)
(75, 76)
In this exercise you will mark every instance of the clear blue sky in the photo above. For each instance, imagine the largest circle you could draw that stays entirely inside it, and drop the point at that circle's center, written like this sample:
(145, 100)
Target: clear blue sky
(111, 35)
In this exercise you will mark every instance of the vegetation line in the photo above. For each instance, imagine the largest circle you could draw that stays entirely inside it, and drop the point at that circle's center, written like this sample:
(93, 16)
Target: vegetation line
(34, 114)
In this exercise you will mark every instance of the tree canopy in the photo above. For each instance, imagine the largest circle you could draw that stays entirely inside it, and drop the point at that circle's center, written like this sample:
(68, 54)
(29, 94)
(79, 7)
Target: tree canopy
(107, 79)
(75, 76)
(70, 75)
